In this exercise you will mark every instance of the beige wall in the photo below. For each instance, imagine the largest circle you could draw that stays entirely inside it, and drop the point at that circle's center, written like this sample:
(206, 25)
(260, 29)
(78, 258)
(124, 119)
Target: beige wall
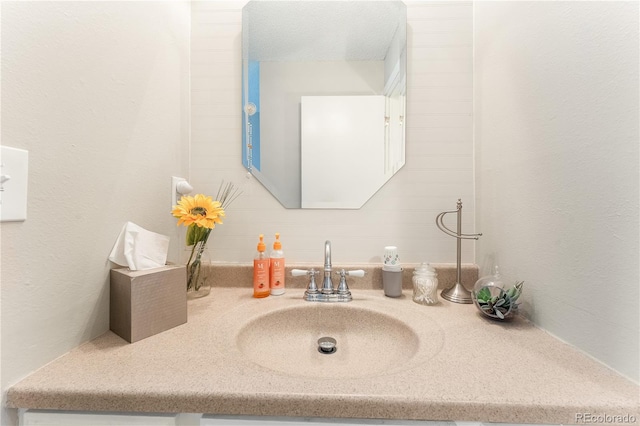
(98, 94)
(556, 135)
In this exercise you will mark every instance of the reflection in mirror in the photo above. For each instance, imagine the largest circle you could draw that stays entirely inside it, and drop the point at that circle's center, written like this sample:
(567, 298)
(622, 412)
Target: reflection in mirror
(324, 85)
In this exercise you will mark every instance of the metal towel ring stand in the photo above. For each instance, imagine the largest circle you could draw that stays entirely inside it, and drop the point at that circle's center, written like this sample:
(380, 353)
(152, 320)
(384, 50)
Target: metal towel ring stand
(456, 293)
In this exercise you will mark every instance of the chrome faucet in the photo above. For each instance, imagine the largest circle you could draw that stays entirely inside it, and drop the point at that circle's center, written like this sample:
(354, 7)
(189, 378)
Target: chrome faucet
(327, 284)
(328, 293)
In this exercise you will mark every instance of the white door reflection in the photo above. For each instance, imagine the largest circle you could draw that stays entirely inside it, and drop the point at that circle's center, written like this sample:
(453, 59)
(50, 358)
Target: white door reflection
(342, 150)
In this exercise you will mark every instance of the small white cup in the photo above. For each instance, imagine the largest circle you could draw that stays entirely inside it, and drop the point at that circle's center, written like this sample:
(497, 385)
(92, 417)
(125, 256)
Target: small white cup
(391, 260)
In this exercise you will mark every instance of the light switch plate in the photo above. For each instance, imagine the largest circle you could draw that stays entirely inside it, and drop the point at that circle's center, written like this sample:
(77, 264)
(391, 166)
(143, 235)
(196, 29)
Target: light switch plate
(14, 172)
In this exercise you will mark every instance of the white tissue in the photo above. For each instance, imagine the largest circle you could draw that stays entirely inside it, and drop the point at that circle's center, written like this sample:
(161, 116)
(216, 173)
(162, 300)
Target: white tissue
(139, 249)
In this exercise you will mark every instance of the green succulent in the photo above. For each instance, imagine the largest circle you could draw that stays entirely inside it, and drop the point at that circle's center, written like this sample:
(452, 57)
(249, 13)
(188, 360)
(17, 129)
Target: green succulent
(498, 305)
(515, 291)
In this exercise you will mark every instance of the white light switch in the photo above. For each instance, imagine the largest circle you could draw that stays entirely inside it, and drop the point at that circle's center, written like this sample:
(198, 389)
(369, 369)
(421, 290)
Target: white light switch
(14, 171)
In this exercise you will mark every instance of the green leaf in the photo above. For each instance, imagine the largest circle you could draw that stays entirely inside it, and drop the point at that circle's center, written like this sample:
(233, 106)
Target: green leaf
(195, 234)
(191, 230)
(484, 294)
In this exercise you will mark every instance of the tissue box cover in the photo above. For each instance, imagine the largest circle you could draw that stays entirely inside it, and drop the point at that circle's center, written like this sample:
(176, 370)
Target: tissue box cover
(144, 303)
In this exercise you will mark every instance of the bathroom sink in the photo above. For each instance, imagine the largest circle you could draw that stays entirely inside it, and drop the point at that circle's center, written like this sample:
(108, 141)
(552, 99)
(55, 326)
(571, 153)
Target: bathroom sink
(370, 339)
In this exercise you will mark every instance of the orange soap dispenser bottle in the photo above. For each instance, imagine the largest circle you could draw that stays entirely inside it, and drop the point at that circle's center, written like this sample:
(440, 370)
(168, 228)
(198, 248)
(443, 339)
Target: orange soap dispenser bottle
(276, 279)
(261, 271)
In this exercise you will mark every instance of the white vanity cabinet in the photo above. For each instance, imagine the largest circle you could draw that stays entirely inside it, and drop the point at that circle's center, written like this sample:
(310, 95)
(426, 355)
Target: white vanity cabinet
(315, 421)
(85, 418)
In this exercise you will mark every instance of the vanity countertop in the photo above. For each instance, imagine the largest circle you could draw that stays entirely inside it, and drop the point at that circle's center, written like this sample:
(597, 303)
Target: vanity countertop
(487, 371)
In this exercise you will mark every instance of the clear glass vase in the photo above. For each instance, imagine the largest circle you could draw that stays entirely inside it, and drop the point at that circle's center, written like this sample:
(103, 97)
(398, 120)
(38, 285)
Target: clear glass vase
(198, 271)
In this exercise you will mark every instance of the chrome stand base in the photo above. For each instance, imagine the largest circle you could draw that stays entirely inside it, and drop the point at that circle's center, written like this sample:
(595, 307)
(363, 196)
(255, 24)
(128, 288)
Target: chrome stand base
(457, 294)
(322, 297)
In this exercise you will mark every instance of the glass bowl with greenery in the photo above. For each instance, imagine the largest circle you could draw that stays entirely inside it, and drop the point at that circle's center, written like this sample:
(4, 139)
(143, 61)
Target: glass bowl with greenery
(493, 301)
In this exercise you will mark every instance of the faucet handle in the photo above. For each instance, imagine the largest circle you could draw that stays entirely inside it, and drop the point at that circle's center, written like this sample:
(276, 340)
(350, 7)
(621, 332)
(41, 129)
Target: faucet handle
(301, 272)
(312, 288)
(356, 273)
(343, 288)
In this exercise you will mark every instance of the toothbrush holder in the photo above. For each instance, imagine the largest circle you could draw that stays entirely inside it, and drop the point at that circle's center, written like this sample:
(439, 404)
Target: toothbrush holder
(392, 282)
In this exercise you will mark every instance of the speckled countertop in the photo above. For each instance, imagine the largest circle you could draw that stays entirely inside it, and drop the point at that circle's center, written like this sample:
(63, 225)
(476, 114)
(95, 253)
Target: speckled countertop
(476, 369)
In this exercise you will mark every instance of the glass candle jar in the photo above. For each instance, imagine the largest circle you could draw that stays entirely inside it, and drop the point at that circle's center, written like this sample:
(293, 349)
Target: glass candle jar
(425, 285)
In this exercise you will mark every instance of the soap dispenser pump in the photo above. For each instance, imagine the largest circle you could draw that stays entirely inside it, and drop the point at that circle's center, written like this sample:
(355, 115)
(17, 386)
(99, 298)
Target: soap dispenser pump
(277, 271)
(261, 271)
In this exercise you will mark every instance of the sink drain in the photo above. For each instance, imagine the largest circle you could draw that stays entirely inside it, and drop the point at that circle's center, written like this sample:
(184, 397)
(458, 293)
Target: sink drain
(327, 345)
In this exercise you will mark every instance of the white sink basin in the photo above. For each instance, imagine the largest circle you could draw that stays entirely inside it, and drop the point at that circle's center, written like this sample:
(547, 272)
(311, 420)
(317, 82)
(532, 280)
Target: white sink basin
(371, 337)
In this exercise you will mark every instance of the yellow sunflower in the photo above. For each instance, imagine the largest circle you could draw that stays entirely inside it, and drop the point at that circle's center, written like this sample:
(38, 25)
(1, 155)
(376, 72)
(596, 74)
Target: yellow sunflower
(200, 210)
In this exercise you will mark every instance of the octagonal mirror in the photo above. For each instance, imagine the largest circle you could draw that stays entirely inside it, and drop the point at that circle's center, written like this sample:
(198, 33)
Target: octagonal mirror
(324, 87)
